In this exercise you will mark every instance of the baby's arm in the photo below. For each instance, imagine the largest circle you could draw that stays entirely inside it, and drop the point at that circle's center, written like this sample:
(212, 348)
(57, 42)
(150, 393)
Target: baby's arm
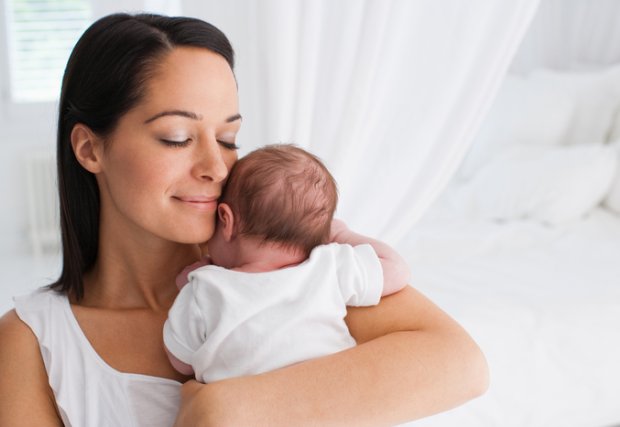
(182, 367)
(183, 330)
(396, 272)
(182, 279)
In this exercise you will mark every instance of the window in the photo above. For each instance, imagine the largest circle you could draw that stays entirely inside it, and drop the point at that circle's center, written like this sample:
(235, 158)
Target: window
(41, 34)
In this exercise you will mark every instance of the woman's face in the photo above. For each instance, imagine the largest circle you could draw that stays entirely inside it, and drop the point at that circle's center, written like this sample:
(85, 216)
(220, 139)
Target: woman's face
(164, 165)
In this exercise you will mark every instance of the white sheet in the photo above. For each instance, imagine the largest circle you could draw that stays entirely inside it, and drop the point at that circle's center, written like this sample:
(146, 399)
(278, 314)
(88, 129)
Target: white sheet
(544, 305)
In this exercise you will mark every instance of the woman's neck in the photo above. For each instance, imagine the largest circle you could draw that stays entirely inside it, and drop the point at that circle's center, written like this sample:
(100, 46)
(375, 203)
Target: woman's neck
(136, 272)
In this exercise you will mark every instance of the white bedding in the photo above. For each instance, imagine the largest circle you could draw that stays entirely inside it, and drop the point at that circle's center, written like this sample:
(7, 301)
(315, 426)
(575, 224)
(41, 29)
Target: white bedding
(544, 305)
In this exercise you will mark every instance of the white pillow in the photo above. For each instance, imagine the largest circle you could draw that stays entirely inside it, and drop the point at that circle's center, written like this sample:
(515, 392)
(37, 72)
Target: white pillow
(612, 201)
(596, 97)
(553, 185)
(525, 111)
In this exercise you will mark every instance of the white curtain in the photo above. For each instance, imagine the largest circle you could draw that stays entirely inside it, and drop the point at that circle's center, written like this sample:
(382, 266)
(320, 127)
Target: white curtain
(388, 92)
(571, 34)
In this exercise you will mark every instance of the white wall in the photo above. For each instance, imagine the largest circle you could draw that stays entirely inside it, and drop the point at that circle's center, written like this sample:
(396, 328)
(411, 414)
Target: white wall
(22, 128)
(20, 132)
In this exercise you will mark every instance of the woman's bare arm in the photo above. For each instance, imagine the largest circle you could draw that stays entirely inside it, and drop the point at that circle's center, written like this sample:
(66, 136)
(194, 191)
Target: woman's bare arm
(413, 361)
(25, 394)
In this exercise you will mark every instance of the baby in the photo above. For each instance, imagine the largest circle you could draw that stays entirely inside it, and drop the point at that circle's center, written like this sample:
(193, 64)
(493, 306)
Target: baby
(280, 275)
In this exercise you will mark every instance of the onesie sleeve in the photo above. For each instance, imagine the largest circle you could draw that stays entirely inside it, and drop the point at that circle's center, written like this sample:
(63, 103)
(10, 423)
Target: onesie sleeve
(185, 329)
(360, 275)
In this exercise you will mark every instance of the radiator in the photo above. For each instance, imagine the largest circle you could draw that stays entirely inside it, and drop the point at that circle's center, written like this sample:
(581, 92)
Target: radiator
(43, 207)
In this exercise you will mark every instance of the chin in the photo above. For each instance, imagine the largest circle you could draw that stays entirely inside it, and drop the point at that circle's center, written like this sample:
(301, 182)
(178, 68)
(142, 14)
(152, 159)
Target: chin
(194, 237)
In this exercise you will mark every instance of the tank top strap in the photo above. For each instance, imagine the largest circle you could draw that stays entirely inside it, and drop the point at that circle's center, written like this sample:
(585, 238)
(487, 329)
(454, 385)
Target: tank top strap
(42, 311)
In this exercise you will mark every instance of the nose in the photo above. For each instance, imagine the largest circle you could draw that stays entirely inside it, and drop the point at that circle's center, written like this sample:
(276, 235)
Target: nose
(209, 162)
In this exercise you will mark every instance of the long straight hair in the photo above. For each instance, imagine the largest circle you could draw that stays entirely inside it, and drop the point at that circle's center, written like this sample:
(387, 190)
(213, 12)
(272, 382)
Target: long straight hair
(105, 77)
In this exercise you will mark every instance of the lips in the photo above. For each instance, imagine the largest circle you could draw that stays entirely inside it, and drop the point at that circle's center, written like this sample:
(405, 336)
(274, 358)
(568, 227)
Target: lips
(198, 201)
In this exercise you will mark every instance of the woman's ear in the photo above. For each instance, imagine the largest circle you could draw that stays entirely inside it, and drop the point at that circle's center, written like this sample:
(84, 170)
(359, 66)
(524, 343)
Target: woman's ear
(227, 221)
(87, 147)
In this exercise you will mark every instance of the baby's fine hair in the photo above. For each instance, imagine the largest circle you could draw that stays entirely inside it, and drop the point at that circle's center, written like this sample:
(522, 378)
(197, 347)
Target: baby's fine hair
(282, 194)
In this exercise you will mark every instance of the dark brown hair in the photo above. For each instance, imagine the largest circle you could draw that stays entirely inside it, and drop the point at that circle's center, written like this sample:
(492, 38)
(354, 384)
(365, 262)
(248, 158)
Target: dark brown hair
(284, 194)
(105, 77)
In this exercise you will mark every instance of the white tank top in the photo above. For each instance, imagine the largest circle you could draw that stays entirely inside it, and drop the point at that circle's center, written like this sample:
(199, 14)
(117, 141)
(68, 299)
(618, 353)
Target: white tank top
(88, 391)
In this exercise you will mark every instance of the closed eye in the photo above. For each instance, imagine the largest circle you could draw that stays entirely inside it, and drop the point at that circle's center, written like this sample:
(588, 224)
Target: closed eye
(183, 143)
(174, 143)
(228, 145)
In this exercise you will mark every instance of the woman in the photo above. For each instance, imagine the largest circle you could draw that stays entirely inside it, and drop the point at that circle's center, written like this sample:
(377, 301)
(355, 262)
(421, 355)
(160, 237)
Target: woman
(147, 126)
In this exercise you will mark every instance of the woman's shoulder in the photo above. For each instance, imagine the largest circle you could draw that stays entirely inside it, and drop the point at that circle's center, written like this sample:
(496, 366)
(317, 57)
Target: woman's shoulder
(20, 347)
(25, 326)
(24, 387)
(19, 342)
(14, 331)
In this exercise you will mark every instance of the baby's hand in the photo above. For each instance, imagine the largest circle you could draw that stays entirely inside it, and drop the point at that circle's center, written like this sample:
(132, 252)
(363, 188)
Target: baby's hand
(182, 279)
(338, 226)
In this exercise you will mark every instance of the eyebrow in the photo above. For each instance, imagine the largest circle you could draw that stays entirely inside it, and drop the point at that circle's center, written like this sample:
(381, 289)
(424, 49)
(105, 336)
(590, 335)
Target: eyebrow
(188, 114)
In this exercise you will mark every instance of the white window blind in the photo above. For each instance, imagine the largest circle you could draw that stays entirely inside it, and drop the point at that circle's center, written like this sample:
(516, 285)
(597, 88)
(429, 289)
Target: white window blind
(41, 34)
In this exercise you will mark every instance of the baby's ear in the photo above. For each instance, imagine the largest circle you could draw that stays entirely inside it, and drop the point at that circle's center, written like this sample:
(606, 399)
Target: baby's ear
(227, 220)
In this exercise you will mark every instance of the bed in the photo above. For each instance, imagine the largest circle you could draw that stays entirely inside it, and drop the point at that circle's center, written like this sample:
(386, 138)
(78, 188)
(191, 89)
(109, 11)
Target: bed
(523, 249)
(544, 305)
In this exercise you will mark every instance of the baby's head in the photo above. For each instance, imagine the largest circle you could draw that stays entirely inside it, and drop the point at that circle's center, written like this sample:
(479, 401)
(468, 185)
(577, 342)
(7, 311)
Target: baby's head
(278, 194)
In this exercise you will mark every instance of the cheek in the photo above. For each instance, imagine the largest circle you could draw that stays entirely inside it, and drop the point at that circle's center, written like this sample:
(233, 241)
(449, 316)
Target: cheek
(230, 158)
(136, 177)
(137, 184)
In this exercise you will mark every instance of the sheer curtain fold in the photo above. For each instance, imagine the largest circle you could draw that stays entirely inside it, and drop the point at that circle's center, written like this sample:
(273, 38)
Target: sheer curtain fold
(388, 92)
(567, 34)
